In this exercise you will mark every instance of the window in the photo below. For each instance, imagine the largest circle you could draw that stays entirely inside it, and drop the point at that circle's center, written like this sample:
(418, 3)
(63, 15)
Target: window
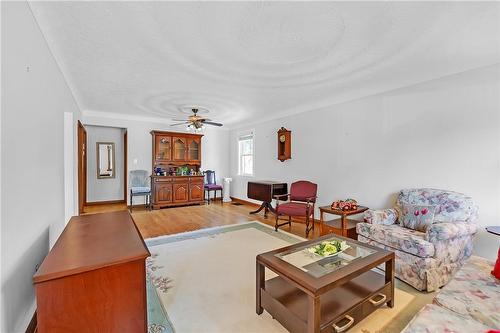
(245, 154)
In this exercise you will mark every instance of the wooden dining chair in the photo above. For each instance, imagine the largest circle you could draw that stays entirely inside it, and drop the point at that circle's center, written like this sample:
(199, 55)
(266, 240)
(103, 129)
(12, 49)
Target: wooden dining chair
(302, 198)
(211, 185)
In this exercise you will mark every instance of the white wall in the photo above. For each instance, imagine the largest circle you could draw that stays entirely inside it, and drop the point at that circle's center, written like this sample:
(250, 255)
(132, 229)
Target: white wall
(104, 189)
(442, 133)
(214, 153)
(34, 99)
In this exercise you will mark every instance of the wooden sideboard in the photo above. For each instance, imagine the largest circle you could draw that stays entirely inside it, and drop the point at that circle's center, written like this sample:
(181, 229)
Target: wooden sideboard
(173, 150)
(177, 190)
(94, 278)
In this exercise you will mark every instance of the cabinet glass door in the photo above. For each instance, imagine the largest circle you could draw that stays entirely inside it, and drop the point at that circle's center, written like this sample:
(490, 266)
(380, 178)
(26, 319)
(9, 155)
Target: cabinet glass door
(163, 148)
(194, 150)
(179, 149)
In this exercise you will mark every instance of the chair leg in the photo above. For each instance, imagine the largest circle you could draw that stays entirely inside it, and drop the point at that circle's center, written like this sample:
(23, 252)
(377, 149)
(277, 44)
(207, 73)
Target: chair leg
(307, 225)
(290, 221)
(131, 202)
(276, 224)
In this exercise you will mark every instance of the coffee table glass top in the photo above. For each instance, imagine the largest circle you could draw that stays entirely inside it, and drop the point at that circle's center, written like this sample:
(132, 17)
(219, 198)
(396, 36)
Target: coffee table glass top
(317, 265)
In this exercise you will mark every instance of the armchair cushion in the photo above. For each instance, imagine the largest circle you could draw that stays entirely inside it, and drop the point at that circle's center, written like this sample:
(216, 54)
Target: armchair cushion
(434, 318)
(473, 292)
(381, 216)
(397, 237)
(293, 209)
(450, 206)
(443, 231)
(417, 217)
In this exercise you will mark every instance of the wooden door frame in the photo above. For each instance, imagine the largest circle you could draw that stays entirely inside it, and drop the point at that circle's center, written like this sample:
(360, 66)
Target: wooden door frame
(125, 158)
(82, 167)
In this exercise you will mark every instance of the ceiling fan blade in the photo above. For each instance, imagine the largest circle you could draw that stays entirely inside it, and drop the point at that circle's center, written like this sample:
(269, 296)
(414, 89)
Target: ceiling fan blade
(184, 123)
(178, 119)
(212, 123)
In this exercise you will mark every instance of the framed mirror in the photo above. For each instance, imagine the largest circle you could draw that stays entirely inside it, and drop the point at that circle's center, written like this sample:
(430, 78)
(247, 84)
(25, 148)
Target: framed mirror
(105, 159)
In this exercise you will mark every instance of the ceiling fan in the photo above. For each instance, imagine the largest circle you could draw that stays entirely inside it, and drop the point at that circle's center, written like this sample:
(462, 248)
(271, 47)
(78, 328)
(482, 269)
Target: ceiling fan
(195, 122)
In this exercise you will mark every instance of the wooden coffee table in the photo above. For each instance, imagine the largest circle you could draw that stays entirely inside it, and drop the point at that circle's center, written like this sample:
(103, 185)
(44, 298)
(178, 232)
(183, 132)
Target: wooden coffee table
(341, 226)
(313, 294)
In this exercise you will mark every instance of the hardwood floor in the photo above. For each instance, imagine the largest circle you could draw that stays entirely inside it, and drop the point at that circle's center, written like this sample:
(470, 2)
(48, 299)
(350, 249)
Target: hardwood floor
(105, 208)
(169, 221)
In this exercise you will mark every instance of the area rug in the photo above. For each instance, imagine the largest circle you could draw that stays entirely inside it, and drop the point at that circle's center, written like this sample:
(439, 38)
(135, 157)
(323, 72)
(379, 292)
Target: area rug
(205, 281)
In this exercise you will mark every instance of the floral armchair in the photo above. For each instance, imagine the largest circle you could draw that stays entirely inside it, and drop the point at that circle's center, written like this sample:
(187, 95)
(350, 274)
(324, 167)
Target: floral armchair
(425, 259)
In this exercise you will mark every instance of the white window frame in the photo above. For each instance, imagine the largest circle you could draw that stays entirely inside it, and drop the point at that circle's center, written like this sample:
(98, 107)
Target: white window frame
(241, 137)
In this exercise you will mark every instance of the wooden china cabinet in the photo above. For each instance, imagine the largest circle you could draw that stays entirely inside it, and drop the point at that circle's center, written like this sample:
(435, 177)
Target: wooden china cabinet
(173, 153)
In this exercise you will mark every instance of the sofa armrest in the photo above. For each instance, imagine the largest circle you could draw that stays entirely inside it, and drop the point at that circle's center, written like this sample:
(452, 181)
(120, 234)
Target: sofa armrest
(381, 216)
(448, 230)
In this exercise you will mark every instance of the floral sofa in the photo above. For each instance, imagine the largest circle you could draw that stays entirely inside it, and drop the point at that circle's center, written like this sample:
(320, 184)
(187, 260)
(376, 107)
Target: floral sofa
(424, 259)
(470, 303)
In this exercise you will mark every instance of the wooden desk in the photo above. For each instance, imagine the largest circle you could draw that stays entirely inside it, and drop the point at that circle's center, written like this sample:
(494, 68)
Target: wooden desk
(94, 278)
(341, 226)
(265, 191)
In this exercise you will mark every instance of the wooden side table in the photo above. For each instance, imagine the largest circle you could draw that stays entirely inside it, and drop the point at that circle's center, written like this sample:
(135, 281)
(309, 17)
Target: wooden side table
(341, 226)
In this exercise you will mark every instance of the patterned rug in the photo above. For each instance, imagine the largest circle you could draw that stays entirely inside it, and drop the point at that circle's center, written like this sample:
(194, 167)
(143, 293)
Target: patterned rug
(204, 281)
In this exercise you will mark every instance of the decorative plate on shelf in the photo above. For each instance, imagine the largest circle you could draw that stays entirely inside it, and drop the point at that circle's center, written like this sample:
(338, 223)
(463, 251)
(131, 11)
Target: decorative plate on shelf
(328, 248)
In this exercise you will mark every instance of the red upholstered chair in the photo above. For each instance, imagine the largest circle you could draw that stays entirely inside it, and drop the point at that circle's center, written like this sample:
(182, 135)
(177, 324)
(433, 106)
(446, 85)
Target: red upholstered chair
(302, 199)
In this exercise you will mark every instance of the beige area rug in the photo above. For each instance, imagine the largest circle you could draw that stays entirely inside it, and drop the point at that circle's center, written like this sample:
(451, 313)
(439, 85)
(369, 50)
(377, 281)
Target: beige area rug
(206, 281)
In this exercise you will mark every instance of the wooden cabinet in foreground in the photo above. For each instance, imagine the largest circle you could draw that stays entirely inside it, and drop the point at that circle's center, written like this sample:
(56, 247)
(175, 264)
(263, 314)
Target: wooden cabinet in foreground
(94, 278)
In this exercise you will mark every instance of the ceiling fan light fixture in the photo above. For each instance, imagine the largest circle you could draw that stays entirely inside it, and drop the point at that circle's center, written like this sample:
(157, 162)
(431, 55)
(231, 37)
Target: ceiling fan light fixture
(197, 123)
(196, 127)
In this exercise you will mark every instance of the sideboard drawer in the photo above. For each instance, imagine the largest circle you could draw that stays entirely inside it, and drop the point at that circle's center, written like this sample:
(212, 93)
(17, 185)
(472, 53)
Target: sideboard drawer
(163, 180)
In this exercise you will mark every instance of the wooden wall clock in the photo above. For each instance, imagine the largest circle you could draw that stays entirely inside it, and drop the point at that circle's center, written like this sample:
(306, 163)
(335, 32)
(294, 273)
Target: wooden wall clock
(284, 144)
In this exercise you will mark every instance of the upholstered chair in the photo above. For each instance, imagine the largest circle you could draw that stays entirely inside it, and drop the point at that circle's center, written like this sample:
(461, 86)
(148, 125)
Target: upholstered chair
(302, 198)
(140, 185)
(211, 184)
(428, 254)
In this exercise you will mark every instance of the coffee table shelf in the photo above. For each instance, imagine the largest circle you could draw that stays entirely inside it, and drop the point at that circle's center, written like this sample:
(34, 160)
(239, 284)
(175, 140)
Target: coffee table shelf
(320, 295)
(290, 305)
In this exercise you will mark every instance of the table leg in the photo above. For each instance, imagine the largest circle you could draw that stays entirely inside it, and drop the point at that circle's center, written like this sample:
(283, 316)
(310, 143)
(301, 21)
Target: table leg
(389, 277)
(321, 222)
(262, 206)
(313, 314)
(343, 225)
(260, 283)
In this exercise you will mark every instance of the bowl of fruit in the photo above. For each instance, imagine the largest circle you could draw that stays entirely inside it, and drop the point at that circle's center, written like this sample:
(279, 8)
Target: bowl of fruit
(328, 248)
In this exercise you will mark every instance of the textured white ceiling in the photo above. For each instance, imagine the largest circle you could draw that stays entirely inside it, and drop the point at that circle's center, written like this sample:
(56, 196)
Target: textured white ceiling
(250, 61)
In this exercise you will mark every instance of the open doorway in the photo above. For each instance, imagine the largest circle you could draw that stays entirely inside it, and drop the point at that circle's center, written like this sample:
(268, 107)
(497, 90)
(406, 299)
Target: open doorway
(82, 167)
(102, 168)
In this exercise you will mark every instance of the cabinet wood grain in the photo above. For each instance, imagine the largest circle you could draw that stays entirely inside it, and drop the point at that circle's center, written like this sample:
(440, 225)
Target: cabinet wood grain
(80, 284)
